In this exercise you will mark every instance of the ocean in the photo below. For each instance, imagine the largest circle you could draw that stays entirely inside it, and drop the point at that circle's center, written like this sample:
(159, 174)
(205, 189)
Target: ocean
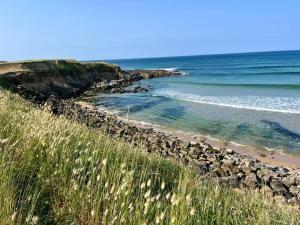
(249, 98)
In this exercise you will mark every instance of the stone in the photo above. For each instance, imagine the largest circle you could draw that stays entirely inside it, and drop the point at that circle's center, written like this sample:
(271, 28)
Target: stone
(253, 169)
(212, 159)
(247, 164)
(289, 181)
(292, 200)
(228, 162)
(192, 144)
(251, 180)
(230, 151)
(233, 181)
(294, 189)
(267, 191)
(203, 170)
(278, 187)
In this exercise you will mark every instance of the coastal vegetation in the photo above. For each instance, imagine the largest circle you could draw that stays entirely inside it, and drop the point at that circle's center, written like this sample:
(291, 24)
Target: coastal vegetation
(63, 67)
(56, 171)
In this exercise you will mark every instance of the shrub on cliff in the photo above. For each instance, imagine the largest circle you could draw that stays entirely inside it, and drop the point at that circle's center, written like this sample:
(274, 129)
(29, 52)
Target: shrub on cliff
(55, 171)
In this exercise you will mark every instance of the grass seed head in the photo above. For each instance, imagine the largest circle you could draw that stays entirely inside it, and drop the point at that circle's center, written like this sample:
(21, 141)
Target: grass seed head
(163, 185)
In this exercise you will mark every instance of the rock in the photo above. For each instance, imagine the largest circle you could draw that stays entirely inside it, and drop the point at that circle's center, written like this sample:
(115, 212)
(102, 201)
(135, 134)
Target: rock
(233, 181)
(230, 151)
(192, 144)
(199, 163)
(253, 169)
(211, 159)
(247, 164)
(228, 162)
(289, 181)
(278, 187)
(294, 189)
(203, 170)
(267, 191)
(251, 180)
(292, 200)
(265, 175)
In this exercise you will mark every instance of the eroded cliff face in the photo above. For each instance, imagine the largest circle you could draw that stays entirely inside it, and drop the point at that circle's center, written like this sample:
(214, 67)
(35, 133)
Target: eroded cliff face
(64, 78)
(69, 78)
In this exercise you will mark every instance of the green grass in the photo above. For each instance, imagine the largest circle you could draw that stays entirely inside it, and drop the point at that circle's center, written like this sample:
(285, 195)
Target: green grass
(70, 69)
(56, 171)
(100, 66)
(36, 61)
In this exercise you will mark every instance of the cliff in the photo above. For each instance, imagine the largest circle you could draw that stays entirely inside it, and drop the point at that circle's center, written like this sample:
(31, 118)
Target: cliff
(68, 78)
(64, 78)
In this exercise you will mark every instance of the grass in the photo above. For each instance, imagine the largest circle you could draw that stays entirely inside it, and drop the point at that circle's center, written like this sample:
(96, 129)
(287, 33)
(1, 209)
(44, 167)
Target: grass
(101, 67)
(37, 61)
(56, 171)
(67, 62)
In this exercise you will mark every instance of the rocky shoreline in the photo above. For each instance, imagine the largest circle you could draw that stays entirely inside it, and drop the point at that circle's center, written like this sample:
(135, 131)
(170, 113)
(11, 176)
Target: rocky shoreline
(70, 78)
(220, 164)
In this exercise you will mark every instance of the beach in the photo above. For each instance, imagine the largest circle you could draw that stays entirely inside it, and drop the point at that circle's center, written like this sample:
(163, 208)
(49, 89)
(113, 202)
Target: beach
(251, 99)
(231, 163)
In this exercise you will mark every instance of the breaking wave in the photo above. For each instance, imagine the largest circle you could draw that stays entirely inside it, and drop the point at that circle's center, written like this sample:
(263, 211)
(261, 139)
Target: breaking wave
(261, 103)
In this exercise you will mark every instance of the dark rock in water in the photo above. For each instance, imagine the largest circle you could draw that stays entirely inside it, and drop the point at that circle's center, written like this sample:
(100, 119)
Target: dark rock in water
(136, 75)
(174, 112)
(135, 89)
(275, 126)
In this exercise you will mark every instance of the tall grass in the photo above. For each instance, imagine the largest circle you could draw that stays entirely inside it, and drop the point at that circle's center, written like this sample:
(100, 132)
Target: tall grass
(56, 171)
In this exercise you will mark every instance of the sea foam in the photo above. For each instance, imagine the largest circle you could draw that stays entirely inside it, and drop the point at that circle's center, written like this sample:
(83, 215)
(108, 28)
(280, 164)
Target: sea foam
(250, 102)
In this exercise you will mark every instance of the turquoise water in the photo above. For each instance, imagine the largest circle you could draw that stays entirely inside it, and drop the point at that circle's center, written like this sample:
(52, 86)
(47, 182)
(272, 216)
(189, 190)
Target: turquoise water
(251, 98)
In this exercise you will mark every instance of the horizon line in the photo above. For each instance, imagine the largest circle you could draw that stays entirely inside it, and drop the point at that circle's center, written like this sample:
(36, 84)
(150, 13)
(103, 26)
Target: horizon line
(153, 57)
(193, 55)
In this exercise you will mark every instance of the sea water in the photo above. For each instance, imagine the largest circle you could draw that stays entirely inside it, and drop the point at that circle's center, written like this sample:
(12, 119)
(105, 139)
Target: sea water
(250, 98)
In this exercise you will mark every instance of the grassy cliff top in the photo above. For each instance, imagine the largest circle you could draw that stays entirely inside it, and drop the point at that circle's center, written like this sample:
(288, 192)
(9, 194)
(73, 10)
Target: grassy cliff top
(56, 171)
(43, 65)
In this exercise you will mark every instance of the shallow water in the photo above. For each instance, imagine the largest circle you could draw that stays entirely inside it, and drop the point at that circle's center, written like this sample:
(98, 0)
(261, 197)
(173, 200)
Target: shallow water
(247, 98)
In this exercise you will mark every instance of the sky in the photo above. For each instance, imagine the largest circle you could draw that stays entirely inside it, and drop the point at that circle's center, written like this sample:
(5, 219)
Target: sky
(111, 29)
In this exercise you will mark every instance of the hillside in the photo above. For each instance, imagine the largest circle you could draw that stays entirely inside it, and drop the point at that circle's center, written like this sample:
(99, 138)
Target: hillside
(65, 78)
(55, 171)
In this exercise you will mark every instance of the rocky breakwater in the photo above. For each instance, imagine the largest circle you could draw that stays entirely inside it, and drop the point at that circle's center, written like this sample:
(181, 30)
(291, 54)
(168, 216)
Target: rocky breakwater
(218, 164)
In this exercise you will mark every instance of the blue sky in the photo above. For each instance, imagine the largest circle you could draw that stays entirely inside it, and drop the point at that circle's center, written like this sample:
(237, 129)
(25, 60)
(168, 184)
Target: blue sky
(96, 29)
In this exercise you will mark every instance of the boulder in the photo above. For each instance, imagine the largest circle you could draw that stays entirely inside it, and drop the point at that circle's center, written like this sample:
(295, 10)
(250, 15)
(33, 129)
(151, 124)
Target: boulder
(278, 187)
